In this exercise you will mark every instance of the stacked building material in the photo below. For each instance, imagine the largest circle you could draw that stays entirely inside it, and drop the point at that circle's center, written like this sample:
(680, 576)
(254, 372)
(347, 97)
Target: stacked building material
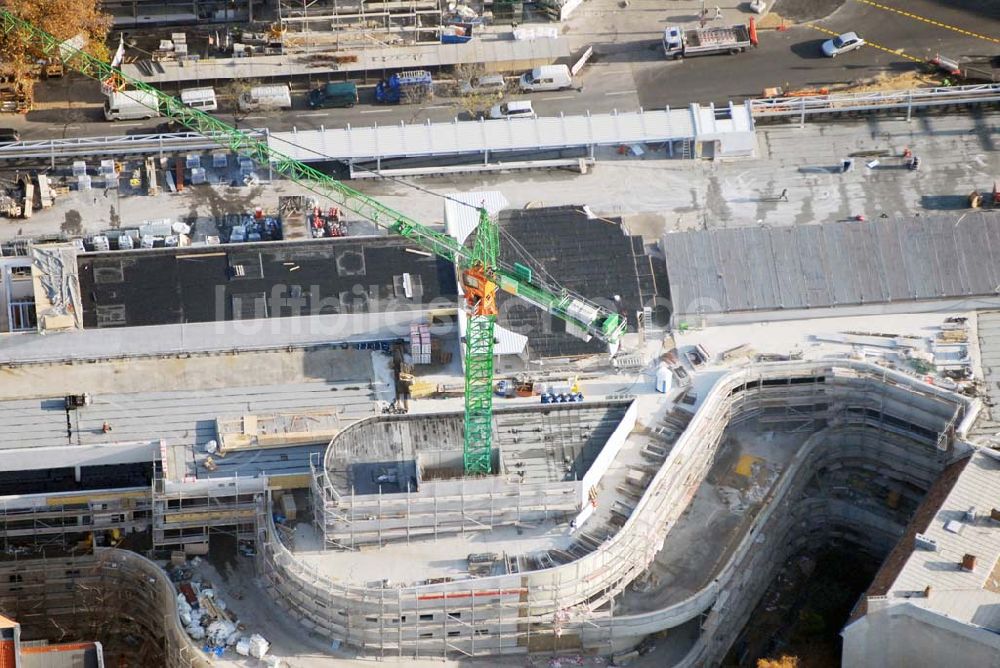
(420, 344)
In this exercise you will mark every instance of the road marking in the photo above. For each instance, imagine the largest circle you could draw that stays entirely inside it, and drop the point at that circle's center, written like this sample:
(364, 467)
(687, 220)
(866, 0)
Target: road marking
(557, 97)
(438, 106)
(930, 21)
(895, 52)
(621, 92)
(376, 111)
(128, 125)
(314, 113)
(253, 118)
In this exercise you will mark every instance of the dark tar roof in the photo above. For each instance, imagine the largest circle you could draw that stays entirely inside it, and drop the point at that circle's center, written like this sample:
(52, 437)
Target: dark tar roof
(593, 257)
(833, 264)
(241, 281)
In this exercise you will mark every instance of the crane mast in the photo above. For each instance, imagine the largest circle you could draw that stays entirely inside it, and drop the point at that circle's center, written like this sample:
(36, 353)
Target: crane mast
(482, 271)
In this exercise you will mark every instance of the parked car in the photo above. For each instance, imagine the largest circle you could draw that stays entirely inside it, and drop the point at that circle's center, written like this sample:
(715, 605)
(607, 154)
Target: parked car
(513, 109)
(842, 44)
(487, 84)
(334, 95)
(9, 135)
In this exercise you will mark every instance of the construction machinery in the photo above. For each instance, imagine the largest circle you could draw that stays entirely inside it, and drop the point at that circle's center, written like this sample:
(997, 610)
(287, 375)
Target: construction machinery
(482, 271)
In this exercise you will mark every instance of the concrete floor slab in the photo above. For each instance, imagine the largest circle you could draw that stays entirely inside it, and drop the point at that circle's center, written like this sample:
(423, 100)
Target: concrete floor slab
(723, 507)
(403, 563)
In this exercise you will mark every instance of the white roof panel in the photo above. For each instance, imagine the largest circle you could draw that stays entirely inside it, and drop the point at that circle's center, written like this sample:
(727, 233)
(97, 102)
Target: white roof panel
(396, 141)
(461, 211)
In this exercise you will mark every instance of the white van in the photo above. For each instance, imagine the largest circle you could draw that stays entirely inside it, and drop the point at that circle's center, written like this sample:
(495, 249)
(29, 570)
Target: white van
(131, 104)
(202, 99)
(266, 98)
(547, 77)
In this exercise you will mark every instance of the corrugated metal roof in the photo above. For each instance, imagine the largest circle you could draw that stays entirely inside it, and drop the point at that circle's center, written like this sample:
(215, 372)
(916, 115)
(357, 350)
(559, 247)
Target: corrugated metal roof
(463, 137)
(976, 488)
(833, 264)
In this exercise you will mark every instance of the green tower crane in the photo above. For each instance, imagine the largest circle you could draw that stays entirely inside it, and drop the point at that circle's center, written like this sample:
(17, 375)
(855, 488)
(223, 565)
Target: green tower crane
(482, 271)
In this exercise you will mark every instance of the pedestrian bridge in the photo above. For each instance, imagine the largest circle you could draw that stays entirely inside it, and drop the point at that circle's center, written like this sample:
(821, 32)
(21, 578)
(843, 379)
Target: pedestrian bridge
(700, 130)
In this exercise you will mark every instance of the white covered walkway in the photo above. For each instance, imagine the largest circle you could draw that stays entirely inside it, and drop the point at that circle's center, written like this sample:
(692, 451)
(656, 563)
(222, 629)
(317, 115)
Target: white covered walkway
(729, 130)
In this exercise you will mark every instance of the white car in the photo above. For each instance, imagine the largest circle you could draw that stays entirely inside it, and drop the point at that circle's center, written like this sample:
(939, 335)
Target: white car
(487, 84)
(842, 44)
(513, 109)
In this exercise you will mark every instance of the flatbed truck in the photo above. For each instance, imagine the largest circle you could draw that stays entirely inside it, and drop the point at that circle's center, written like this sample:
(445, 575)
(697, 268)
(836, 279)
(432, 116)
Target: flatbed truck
(679, 42)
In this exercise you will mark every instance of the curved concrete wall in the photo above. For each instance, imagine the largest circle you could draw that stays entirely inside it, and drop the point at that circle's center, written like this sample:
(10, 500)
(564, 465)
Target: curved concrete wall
(513, 613)
(111, 590)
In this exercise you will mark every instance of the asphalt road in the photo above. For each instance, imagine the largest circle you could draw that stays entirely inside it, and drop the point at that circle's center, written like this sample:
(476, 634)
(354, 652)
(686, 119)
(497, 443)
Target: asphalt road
(635, 74)
(792, 59)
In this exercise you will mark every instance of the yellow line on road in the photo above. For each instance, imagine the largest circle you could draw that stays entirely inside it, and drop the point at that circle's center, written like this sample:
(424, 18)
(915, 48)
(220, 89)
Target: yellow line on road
(895, 52)
(930, 21)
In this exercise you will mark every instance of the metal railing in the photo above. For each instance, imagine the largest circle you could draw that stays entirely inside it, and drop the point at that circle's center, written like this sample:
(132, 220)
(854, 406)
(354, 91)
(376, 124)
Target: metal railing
(908, 100)
(143, 144)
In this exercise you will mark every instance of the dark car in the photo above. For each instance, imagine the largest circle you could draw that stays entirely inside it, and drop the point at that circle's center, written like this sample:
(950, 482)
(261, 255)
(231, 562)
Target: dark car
(8, 135)
(334, 95)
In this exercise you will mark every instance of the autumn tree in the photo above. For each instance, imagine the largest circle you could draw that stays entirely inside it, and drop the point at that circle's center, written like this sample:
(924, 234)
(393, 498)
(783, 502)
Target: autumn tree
(231, 92)
(475, 103)
(784, 662)
(65, 19)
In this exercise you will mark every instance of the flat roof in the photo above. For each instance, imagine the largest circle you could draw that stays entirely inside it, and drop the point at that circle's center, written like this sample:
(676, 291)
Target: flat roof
(181, 416)
(343, 276)
(957, 535)
(62, 655)
(544, 443)
(593, 257)
(833, 264)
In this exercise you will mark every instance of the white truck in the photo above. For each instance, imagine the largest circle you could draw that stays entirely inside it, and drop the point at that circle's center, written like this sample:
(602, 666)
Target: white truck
(678, 42)
(130, 104)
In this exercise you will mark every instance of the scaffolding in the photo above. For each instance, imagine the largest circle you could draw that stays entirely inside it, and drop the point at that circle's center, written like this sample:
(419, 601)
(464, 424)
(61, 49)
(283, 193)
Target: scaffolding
(30, 523)
(563, 599)
(186, 513)
(326, 26)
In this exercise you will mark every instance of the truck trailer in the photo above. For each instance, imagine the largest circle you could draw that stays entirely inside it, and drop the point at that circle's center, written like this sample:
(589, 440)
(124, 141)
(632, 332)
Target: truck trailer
(406, 87)
(678, 42)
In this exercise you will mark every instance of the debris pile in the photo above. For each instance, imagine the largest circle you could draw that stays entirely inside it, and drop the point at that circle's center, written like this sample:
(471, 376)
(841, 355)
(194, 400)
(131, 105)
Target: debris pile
(942, 359)
(206, 617)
